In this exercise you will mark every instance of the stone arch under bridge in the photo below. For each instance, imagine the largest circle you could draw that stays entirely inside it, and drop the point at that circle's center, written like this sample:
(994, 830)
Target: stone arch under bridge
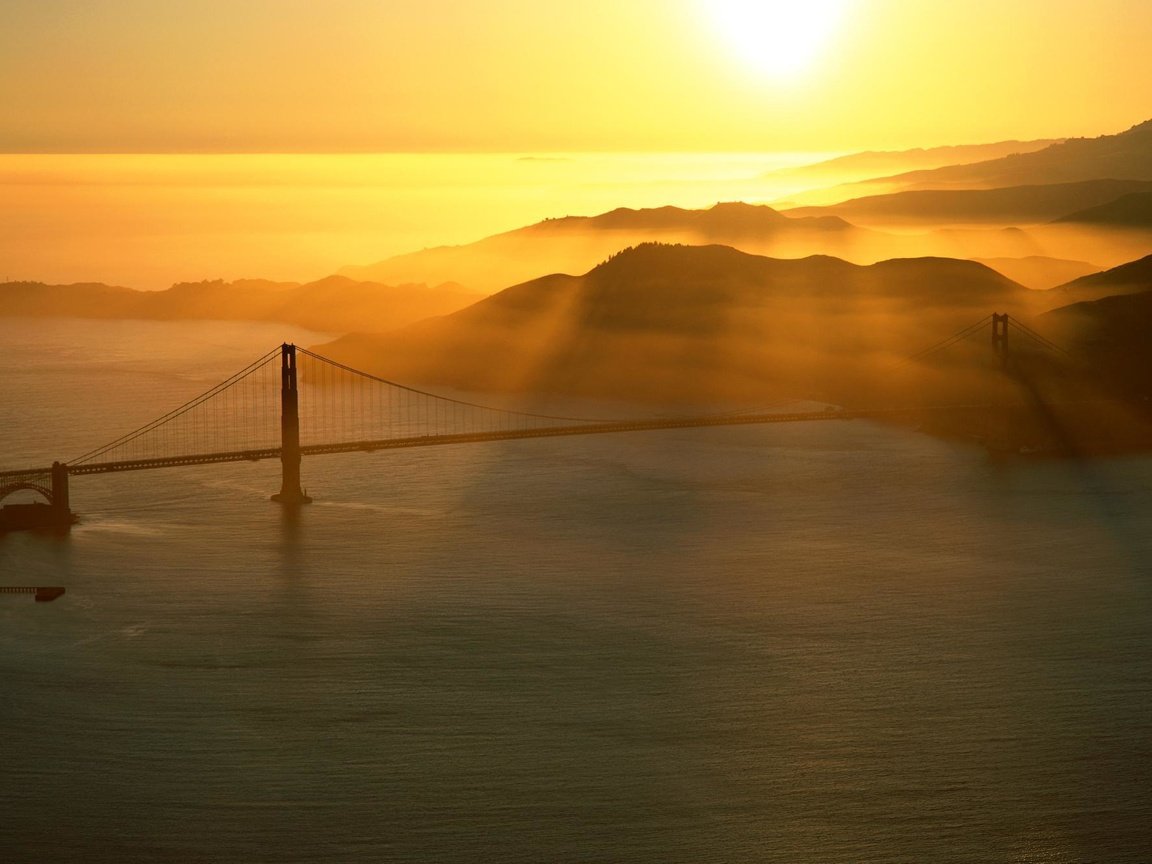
(51, 484)
(43, 488)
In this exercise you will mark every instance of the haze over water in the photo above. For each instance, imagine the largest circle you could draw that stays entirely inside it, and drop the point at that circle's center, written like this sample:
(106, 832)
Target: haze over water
(831, 642)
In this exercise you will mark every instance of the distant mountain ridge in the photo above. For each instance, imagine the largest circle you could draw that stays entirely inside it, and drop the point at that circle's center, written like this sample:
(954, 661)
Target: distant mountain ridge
(733, 217)
(1123, 156)
(874, 163)
(335, 303)
(1035, 204)
(1133, 210)
(576, 243)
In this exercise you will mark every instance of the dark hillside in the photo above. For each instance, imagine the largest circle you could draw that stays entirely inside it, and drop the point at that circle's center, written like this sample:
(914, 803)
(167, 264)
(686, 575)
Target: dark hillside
(682, 322)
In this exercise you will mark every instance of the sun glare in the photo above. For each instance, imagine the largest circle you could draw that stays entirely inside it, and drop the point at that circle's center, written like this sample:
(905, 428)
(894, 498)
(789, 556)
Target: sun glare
(779, 38)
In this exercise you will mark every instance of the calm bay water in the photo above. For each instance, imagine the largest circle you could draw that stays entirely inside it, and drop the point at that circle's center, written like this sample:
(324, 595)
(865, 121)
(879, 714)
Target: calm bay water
(808, 643)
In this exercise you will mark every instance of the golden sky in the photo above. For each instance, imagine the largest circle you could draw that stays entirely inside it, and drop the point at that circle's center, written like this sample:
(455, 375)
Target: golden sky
(526, 75)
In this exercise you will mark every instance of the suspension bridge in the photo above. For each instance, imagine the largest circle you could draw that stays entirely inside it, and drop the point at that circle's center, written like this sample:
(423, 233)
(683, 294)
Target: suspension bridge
(325, 407)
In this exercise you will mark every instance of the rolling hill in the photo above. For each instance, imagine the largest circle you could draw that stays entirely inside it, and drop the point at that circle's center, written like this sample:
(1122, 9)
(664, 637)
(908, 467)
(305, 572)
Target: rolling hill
(1132, 278)
(1111, 334)
(574, 244)
(1038, 271)
(842, 171)
(680, 322)
(1133, 210)
(1015, 205)
(1124, 156)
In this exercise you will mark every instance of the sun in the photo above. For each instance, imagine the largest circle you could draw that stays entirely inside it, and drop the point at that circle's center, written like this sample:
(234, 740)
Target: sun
(779, 38)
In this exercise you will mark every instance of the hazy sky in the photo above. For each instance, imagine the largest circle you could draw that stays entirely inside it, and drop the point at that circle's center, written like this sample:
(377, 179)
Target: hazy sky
(528, 75)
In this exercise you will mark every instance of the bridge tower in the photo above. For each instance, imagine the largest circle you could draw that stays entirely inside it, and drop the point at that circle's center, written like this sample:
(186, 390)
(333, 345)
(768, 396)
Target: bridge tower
(61, 506)
(290, 491)
(1000, 337)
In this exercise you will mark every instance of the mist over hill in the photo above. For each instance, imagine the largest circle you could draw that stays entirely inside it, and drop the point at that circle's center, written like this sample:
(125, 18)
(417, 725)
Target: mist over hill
(731, 301)
(1128, 211)
(1103, 321)
(875, 163)
(1105, 221)
(1016, 205)
(1040, 272)
(1124, 156)
(574, 244)
(336, 303)
(1111, 334)
(1131, 278)
(681, 323)
(975, 224)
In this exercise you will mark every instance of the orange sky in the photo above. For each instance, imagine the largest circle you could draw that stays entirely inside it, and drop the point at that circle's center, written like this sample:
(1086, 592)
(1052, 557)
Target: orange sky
(524, 75)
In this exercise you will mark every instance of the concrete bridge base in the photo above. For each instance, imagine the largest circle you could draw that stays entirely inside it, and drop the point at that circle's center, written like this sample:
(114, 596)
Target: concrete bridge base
(56, 513)
(291, 498)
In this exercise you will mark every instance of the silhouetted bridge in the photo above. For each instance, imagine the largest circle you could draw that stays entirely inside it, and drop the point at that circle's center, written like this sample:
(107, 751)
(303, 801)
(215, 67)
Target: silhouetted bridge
(346, 410)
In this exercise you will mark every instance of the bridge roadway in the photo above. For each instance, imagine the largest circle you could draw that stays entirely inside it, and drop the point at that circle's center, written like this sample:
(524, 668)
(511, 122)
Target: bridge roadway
(466, 438)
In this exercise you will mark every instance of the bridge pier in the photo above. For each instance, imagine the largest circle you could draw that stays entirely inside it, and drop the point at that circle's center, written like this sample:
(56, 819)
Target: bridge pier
(290, 492)
(61, 504)
(56, 513)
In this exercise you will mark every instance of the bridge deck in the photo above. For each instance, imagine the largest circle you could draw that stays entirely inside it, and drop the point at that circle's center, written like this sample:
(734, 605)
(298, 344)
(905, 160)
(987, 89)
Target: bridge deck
(435, 440)
(499, 435)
